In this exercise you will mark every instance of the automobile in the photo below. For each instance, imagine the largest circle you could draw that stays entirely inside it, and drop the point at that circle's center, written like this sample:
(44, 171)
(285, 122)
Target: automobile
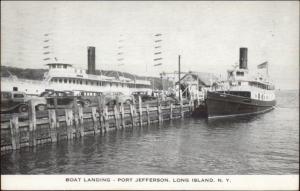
(16, 101)
(117, 98)
(88, 97)
(144, 96)
(64, 98)
(175, 100)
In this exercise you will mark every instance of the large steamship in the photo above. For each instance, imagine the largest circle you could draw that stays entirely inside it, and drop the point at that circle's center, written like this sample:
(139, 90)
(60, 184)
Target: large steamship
(242, 93)
(64, 77)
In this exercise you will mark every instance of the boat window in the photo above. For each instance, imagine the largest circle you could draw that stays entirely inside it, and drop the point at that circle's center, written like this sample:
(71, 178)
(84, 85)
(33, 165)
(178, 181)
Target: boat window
(258, 96)
(65, 66)
(238, 73)
(60, 80)
(70, 80)
(73, 81)
(18, 95)
(65, 80)
(54, 66)
(239, 83)
(58, 66)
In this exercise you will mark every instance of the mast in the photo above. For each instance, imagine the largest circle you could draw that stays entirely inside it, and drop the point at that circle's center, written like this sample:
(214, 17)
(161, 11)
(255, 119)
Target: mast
(179, 81)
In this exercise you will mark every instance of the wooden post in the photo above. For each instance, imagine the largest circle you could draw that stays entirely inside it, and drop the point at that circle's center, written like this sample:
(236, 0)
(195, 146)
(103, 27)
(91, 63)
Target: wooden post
(132, 115)
(159, 113)
(100, 109)
(52, 124)
(95, 121)
(181, 109)
(106, 119)
(191, 106)
(76, 117)
(116, 116)
(133, 100)
(171, 111)
(140, 111)
(122, 115)
(80, 117)
(32, 123)
(69, 121)
(14, 130)
(148, 114)
(55, 102)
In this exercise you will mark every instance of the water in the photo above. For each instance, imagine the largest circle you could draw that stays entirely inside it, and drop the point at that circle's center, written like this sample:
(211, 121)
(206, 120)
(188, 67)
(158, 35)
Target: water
(263, 144)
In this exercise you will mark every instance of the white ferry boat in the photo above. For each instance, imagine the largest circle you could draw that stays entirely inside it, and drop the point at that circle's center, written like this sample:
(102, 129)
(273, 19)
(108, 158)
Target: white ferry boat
(243, 93)
(64, 77)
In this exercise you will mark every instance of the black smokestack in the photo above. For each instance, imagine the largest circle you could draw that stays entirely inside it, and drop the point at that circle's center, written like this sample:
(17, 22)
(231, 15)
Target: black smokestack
(91, 60)
(243, 58)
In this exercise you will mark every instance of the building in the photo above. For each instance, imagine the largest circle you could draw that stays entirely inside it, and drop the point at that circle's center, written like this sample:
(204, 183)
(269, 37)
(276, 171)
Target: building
(195, 84)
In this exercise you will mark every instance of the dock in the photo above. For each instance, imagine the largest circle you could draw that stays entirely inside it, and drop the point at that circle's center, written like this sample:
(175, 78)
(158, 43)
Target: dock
(21, 130)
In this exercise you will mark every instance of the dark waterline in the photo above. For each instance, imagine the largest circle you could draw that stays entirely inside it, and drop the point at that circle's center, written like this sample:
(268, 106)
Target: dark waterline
(262, 144)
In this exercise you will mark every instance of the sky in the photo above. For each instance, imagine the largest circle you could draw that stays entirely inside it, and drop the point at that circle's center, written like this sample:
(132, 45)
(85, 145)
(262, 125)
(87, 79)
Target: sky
(207, 35)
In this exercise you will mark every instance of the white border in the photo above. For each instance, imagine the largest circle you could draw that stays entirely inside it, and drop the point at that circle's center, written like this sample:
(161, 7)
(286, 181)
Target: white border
(117, 182)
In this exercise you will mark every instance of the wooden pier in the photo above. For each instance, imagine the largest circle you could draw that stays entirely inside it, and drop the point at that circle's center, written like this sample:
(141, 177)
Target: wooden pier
(35, 128)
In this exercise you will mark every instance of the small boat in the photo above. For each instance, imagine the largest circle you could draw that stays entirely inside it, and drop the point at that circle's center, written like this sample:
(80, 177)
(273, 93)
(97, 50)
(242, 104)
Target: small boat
(243, 93)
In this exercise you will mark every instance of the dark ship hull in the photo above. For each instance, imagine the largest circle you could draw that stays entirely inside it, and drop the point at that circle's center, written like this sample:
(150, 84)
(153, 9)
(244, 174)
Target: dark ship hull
(220, 105)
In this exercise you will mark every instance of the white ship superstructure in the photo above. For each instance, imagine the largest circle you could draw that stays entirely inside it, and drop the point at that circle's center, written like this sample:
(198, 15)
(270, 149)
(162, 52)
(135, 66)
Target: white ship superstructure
(241, 80)
(64, 77)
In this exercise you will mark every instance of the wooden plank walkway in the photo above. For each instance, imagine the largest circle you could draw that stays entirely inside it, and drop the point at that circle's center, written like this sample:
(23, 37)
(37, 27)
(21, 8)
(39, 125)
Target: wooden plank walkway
(35, 128)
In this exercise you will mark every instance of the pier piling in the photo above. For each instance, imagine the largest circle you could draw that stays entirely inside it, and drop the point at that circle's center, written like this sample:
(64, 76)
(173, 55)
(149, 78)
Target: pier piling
(32, 123)
(122, 115)
(95, 122)
(15, 136)
(52, 124)
(69, 123)
(106, 119)
(140, 111)
(148, 114)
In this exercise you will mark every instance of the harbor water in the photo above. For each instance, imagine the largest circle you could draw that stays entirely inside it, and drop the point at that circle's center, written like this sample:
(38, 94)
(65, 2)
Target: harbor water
(262, 144)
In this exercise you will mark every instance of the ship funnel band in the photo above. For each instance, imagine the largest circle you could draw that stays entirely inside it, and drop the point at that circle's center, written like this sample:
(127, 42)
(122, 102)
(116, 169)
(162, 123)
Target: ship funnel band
(243, 58)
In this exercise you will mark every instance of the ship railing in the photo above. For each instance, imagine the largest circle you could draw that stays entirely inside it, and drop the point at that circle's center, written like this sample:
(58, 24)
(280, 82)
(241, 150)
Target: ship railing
(22, 80)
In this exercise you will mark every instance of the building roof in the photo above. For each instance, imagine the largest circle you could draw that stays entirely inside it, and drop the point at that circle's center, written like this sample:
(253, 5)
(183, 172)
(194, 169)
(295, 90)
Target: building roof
(204, 78)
